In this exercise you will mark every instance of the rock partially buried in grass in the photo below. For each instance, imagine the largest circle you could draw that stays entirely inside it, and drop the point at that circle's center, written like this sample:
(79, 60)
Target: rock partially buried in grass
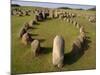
(83, 35)
(75, 23)
(82, 29)
(26, 26)
(51, 14)
(92, 19)
(35, 46)
(68, 20)
(40, 16)
(65, 19)
(32, 22)
(82, 40)
(76, 49)
(71, 21)
(77, 42)
(78, 25)
(20, 13)
(58, 51)
(25, 38)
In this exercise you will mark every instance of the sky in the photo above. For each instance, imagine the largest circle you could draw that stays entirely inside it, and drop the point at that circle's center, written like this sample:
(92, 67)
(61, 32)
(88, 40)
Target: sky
(51, 5)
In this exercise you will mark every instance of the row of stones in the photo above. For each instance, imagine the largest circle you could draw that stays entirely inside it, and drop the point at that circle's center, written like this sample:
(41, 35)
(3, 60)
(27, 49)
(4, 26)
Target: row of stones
(51, 13)
(58, 44)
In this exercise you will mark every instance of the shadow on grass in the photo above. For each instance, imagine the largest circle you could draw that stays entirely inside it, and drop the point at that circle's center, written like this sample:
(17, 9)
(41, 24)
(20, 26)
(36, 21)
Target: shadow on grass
(45, 50)
(49, 19)
(76, 54)
(30, 37)
(31, 28)
(45, 19)
(33, 34)
(37, 23)
(86, 43)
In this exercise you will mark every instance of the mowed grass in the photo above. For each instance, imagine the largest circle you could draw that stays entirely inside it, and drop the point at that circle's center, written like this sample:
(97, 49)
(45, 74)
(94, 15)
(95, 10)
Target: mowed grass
(24, 62)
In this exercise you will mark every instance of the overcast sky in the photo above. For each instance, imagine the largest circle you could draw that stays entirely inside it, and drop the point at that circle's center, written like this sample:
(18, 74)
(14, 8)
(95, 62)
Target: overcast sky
(50, 5)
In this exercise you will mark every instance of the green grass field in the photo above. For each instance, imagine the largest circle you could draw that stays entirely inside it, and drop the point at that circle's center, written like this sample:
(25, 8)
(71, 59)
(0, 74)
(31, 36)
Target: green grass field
(24, 62)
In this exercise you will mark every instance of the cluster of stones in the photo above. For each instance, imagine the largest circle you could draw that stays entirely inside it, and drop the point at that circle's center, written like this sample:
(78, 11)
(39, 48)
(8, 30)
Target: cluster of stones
(58, 42)
(61, 14)
(26, 37)
(41, 15)
(21, 12)
(75, 23)
(92, 19)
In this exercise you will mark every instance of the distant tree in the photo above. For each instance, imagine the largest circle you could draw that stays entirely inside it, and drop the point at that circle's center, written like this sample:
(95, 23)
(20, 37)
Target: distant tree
(79, 9)
(15, 5)
(64, 8)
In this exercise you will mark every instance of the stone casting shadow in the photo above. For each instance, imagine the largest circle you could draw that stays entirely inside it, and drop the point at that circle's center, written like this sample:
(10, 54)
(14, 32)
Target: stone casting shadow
(30, 36)
(76, 53)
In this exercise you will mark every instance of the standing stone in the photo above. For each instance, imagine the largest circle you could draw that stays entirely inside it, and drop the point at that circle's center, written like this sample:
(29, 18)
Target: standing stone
(56, 14)
(75, 23)
(58, 51)
(82, 29)
(81, 39)
(35, 46)
(60, 16)
(68, 20)
(44, 15)
(27, 13)
(71, 21)
(40, 16)
(76, 49)
(73, 15)
(83, 35)
(22, 32)
(65, 18)
(77, 42)
(26, 26)
(32, 22)
(36, 16)
(77, 26)
(25, 38)
(92, 19)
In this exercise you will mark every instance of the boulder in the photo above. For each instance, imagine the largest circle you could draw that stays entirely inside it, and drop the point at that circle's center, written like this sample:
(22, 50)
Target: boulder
(82, 29)
(35, 46)
(22, 32)
(32, 22)
(58, 51)
(25, 38)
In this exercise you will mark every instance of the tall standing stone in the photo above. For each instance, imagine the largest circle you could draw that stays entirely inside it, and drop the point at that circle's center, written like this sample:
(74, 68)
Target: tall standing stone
(58, 51)
(35, 46)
